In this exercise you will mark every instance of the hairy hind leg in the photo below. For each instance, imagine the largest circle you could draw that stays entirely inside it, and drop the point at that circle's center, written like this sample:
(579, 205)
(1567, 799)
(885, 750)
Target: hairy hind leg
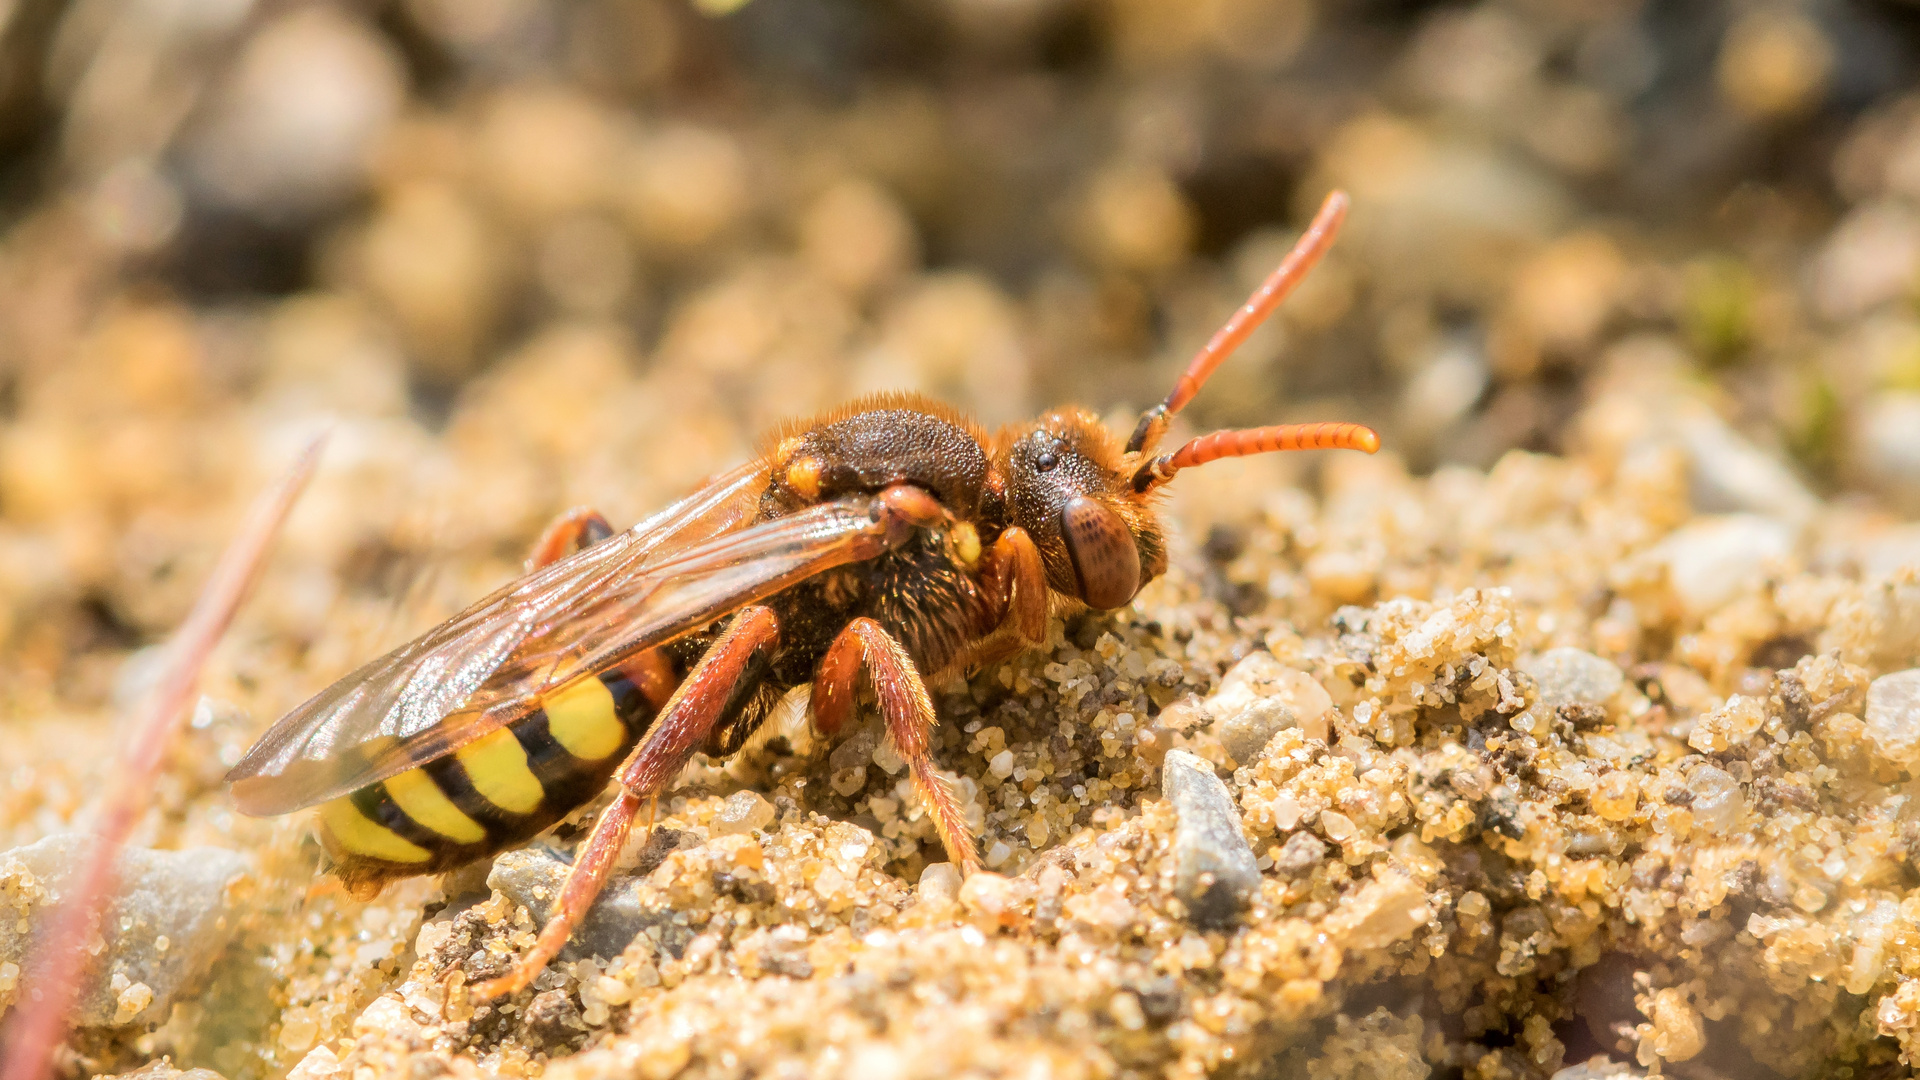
(908, 712)
(709, 693)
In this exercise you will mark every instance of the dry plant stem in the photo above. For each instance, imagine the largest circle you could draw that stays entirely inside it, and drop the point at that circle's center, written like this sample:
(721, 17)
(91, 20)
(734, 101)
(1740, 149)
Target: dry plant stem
(41, 1019)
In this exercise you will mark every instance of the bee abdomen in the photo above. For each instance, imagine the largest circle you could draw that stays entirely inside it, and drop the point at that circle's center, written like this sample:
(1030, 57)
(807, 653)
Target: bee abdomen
(499, 789)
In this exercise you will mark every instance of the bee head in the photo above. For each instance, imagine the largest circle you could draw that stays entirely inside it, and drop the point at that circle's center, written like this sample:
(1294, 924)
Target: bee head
(1084, 497)
(1070, 486)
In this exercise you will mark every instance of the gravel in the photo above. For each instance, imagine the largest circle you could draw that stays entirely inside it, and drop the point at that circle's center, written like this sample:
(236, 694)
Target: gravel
(1214, 867)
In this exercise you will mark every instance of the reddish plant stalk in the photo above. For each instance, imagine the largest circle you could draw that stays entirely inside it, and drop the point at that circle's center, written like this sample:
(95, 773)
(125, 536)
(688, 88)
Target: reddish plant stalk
(40, 1019)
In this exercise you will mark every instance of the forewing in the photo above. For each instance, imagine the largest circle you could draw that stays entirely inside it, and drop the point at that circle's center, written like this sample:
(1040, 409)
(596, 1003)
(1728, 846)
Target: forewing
(406, 692)
(611, 614)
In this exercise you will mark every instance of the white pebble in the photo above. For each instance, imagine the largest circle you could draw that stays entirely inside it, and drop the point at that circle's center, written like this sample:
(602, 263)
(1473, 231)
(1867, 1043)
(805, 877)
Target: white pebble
(1337, 826)
(1893, 716)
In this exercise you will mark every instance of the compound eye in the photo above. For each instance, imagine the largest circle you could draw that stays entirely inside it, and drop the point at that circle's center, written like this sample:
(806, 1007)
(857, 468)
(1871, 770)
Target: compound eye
(1106, 561)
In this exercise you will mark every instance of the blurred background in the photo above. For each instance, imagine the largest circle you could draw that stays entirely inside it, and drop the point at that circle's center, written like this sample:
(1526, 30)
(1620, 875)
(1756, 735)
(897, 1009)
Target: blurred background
(522, 254)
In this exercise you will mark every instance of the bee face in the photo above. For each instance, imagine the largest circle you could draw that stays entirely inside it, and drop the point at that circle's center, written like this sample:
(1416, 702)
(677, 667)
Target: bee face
(1068, 487)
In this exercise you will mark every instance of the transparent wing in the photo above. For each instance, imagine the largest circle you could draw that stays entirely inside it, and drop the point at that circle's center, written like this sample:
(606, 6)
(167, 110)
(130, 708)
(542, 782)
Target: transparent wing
(489, 664)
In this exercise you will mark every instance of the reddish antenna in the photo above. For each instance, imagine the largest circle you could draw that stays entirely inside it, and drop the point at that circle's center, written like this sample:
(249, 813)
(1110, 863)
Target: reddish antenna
(1306, 252)
(1224, 444)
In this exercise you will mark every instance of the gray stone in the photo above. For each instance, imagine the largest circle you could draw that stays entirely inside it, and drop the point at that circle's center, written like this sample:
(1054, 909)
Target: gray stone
(1247, 732)
(1710, 560)
(1886, 443)
(171, 914)
(309, 95)
(1300, 854)
(1214, 870)
(1573, 677)
(1726, 474)
(532, 877)
(1260, 696)
(1893, 716)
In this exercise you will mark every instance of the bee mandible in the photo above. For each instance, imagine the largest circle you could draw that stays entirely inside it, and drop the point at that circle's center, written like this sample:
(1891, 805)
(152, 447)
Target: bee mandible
(889, 542)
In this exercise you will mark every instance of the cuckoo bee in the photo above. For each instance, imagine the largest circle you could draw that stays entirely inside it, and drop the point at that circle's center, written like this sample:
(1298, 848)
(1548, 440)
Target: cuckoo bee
(878, 546)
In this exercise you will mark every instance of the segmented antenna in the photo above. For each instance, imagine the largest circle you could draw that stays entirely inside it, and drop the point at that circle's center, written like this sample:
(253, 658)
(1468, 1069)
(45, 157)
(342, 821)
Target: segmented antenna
(1306, 252)
(1264, 440)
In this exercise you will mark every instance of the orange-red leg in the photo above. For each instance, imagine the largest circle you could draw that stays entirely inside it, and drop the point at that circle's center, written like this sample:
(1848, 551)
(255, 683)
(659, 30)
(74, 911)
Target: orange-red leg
(908, 713)
(584, 882)
(699, 703)
(1017, 581)
(576, 530)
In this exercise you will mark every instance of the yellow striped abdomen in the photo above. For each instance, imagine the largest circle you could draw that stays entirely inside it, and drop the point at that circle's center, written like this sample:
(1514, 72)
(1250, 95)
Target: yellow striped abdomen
(498, 790)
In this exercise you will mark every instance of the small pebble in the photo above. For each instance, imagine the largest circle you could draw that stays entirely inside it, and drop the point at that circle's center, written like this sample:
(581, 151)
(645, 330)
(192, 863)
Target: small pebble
(1299, 855)
(940, 881)
(995, 901)
(532, 877)
(1259, 697)
(744, 811)
(308, 96)
(1709, 562)
(1573, 677)
(1717, 802)
(1869, 260)
(554, 1016)
(1887, 445)
(1215, 872)
(1893, 716)
(1386, 910)
(184, 897)
(1338, 826)
(1729, 474)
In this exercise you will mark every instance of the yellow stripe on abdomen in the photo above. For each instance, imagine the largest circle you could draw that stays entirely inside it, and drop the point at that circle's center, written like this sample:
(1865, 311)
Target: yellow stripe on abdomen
(581, 717)
(423, 801)
(497, 766)
(357, 835)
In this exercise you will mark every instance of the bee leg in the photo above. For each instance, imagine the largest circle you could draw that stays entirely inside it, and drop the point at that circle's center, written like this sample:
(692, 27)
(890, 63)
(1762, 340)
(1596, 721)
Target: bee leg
(909, 716)
(584, 881)
(712, 690)
(576, 530)
(1016, 583)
